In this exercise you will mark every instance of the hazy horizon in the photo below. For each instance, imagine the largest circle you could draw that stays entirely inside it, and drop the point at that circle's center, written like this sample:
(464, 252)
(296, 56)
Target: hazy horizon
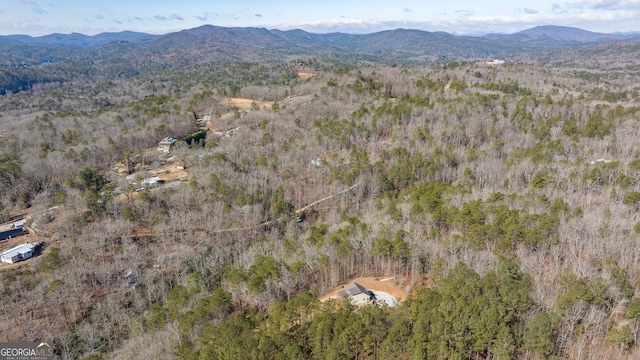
(35, 18)
(350, 33)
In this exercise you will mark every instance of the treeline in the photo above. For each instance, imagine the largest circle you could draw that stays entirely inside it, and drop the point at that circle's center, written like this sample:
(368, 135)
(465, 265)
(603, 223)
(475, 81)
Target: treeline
(15, 79)
(462, 315)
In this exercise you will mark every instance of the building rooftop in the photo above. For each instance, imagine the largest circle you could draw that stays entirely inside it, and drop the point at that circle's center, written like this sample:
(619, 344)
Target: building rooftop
(353, 289)
(167, 141)
(14, 225)
(19, 224)
(20, 249)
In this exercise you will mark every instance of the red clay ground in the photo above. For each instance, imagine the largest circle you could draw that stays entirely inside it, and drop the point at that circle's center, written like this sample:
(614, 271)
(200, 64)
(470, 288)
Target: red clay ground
(305, 75)
(245, 104)
(397, 287)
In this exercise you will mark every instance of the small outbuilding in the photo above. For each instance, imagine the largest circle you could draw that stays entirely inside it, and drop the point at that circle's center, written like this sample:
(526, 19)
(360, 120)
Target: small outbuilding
(357, 294)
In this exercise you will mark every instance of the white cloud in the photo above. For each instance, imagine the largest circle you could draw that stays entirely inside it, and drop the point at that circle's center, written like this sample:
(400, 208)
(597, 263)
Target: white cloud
(610, 5)
(615, 4)
(172, 17)
(211, 16)
(350, 25)
(465, 12)
(203, 17)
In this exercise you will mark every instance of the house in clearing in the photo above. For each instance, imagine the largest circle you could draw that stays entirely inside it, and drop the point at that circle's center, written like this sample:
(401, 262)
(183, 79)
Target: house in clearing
(18, 253)
(165, 144)
(357, 294)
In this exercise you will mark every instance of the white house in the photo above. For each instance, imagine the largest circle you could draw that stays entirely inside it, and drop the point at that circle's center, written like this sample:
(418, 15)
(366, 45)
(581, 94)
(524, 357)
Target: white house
(357, 293)
(18, 253)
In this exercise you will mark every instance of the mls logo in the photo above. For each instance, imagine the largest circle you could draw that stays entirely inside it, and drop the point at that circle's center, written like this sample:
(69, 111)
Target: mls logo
(26, 351)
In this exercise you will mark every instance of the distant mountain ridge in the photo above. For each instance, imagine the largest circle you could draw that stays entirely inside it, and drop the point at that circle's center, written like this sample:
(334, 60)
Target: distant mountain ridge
(382, 38)
(76, 40)
(58, 58)
(564, 33)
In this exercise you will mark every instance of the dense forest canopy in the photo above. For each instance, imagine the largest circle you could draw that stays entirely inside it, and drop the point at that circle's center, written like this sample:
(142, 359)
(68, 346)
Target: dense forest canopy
(501, 196)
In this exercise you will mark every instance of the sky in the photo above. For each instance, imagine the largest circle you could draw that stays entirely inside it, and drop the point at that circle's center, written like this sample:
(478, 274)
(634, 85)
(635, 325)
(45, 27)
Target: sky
(89, 17)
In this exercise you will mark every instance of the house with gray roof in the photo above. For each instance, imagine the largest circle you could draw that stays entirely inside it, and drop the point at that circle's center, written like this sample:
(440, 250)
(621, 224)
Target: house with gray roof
(357, 294)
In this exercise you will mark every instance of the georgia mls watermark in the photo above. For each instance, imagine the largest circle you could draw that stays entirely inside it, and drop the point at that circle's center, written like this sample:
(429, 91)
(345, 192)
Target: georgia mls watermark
(26, 351)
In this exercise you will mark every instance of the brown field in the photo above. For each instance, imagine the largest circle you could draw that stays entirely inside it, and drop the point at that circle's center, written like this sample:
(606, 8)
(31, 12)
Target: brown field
(245, 104)
(169, 172)
(305, 75)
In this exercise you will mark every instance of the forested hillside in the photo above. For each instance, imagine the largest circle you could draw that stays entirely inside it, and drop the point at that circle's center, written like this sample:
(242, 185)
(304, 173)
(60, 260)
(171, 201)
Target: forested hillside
(502, 197)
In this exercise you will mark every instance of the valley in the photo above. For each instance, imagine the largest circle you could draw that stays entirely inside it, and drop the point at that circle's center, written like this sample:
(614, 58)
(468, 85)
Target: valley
(209, 196)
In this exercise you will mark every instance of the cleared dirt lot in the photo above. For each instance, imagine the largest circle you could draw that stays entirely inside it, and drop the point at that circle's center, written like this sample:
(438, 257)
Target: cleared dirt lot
(398, 291)
(245, 104)
(169, 172)
(305, 75)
